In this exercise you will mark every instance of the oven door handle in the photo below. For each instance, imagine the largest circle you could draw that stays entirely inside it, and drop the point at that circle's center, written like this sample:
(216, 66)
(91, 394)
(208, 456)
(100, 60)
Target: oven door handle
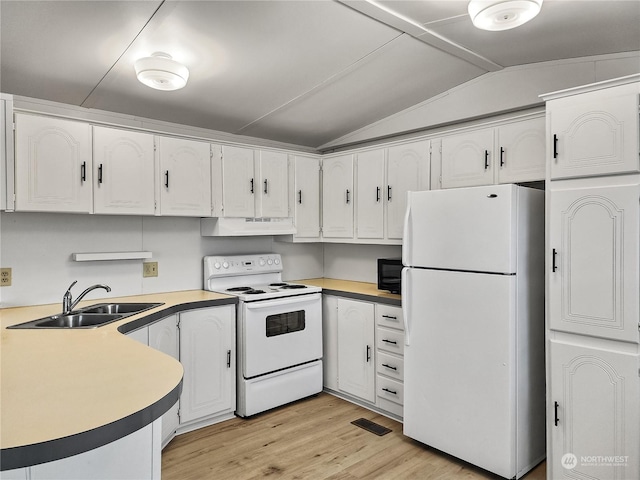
(289, 301)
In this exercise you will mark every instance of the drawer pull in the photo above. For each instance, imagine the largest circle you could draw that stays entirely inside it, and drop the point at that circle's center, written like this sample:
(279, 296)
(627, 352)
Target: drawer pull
(389, 366)
(390, 391)
(390, 317)
(389, 341)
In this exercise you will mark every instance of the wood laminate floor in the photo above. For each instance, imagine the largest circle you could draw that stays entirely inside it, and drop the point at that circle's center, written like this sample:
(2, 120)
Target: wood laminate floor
(311, 439)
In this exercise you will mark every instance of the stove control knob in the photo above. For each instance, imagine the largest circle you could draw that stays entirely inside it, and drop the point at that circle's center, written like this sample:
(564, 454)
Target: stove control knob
(225, 264)
(262, 262)
(216, 265)
(277, 261)
(270, 262)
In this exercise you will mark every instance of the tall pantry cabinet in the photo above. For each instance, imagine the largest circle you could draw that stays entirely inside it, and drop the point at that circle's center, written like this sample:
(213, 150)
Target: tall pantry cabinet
(593, 301)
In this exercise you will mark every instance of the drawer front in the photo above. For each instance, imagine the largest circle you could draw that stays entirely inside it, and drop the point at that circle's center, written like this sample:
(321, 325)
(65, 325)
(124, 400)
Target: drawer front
(389, 316)
(390, 340)
(390, 365)
(391, 390)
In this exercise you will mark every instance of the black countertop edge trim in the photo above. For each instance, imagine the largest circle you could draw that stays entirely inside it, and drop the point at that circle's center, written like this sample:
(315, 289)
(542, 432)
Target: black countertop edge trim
(362, 296)
(180, 307)
(37, 453)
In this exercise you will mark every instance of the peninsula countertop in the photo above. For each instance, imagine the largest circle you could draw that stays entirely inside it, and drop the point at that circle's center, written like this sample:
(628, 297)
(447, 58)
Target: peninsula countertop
(66, 391)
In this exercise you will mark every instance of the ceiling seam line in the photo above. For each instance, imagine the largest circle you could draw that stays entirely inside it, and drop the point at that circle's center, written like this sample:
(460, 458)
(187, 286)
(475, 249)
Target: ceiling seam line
(322, 83)
(122, 54)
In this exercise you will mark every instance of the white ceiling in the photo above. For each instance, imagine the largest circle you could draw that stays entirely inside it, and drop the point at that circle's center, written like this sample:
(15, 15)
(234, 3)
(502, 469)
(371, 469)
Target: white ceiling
(303, 72)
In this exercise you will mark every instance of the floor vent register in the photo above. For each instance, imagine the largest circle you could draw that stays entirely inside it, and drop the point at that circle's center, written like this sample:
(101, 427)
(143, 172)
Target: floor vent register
(372, 427)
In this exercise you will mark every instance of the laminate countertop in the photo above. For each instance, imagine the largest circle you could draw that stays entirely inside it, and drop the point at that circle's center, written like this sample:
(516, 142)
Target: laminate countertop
(356, 290)
(67, 391)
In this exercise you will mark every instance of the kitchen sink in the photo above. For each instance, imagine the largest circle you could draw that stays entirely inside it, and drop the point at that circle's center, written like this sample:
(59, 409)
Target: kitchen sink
(89, 317)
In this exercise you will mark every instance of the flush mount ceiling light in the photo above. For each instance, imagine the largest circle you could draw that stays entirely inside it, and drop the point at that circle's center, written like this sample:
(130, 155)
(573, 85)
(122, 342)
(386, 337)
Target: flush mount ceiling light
(498, 15)
(161, 72)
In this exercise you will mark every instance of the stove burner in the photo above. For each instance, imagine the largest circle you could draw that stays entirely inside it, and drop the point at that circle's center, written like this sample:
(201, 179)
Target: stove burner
(239, 289)
(277, 284)
(253, 292)
(291, 287)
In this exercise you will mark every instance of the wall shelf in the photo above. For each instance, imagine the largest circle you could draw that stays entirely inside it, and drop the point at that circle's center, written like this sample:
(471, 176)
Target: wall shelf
(101, 256)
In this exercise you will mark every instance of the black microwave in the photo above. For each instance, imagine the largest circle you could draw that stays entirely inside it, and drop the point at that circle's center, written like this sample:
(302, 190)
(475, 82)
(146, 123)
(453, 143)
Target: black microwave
(389, 274)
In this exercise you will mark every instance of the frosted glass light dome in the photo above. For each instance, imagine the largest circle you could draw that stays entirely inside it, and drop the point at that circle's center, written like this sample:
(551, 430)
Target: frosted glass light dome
(161, 72)
(496, 15)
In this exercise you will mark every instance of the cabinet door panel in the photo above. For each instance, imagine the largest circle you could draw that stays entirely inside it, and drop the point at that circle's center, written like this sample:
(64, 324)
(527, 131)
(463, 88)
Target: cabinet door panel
(594, 236)
(124, 172)
(595, 134)
(593, 412)
(307, 197)
(520, 153)
(53, 165)
(337, 197)
(238, 182)
(369, 194)
(273, 187)
(356, 362)
(467, 159)
(207, 353)
(185, 168)
(407, 170)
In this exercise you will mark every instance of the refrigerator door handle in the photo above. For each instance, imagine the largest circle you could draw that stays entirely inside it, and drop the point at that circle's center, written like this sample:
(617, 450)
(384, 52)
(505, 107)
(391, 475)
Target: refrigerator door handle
(405, 304)
(406, 234)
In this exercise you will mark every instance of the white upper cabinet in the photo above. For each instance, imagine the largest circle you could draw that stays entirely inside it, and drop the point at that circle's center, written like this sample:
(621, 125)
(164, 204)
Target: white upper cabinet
(304, 174)
(53, 165)
(467, 159)
(185, 177)
(337, 197)
(520, 151)
(272, 200)
(593, 279)
(595, 133)
(124, 173)
(370, 189)
(407, 170)
(234, 177)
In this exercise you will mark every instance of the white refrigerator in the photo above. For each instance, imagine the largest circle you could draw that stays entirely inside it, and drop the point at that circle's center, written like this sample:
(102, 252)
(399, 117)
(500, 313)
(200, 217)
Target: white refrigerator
(473, 306)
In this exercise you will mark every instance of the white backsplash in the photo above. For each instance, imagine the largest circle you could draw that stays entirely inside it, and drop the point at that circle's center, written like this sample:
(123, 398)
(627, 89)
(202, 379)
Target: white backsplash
(356, 262)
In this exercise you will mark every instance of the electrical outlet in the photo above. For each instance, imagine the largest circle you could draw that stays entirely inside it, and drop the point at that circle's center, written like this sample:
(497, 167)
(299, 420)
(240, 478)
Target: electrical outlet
(5, 277)
(150, 269)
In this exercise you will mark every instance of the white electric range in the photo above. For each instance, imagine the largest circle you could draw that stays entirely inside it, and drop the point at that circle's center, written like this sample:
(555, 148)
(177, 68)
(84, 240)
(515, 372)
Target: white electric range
(278, 330)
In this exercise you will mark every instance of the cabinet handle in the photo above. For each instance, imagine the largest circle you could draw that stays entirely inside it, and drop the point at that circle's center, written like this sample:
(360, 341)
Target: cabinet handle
(228, 358)
(555, 146)
(83, 172)
(300, 197)
(390, 391)
(368, 353)
(377, 194)
(388, 193)
(389, 341)
(389, 366)
(501, 157)
(166, 179)
(390, 316)
(556, 420)
(100, 174)
(486, 159)
(347, 195)
(554, 266)
(251, 182)
(265, 186)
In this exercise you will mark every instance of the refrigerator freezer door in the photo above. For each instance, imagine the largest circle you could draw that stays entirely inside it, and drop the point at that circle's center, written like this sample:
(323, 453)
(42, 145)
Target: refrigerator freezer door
(459, 384)
(471, 229)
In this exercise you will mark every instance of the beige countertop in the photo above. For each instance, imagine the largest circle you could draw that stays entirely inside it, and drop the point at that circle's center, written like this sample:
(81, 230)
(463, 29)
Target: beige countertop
(58, 384)
(362, 290)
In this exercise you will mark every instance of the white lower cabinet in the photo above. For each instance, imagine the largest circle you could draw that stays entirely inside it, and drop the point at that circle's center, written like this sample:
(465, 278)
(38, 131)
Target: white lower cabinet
(360, 359)
(207, 353)
(594, 419)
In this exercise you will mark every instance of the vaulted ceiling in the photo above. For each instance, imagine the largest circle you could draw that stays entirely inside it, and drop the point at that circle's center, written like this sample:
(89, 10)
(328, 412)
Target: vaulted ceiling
(303, 72)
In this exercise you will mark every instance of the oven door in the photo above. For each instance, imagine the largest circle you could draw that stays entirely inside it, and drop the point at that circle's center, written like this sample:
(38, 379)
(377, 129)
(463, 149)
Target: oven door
(280, 333)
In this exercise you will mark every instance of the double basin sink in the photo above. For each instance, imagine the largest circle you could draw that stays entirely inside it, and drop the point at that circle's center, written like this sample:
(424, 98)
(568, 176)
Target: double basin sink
(89, 317)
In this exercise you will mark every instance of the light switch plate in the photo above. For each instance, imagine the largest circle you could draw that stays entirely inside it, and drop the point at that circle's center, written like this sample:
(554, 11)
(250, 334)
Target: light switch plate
(150, 269)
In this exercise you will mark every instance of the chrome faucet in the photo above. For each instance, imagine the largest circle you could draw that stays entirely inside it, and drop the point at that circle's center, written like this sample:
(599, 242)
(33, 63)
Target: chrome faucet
(67, 301)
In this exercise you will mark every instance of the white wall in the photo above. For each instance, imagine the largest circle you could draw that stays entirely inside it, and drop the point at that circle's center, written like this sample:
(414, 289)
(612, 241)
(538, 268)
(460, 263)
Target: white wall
(38, 247)
(356, 262)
